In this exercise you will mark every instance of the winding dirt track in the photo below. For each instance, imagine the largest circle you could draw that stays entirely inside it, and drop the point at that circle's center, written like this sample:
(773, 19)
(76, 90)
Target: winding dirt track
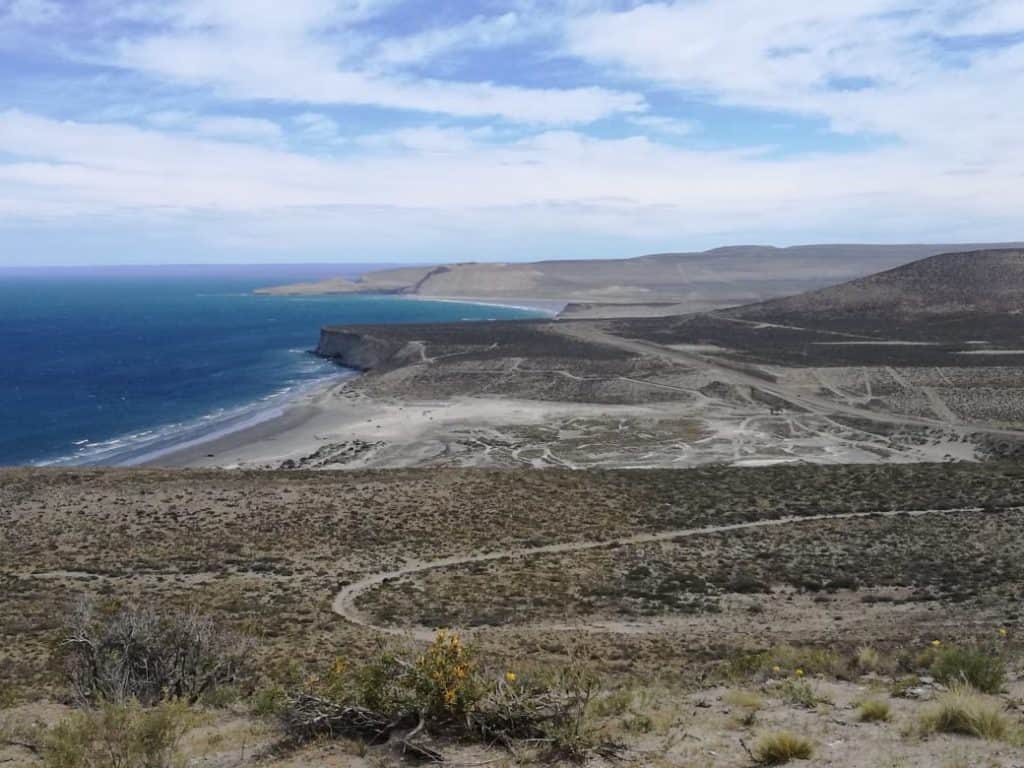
(344, 603)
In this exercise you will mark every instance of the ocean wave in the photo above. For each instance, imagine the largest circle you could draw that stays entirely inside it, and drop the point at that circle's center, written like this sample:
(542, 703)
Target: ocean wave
(147, 445)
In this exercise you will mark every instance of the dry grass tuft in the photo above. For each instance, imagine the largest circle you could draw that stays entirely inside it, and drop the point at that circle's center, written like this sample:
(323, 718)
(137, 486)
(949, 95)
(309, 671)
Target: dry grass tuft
(965, 711)
(782, 747)
(867, 660)
(874, 711)
(742, 699)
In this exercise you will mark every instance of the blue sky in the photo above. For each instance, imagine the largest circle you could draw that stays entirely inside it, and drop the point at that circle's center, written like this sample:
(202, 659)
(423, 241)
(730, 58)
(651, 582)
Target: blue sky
(156, 131)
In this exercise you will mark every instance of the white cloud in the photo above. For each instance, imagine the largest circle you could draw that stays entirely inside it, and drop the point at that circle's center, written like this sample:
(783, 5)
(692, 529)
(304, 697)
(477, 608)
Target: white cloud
(952, 168)
(637, 183)
(301, 52)
(308, 75)
(217, 126)
(316, 127)
(428, 140)
(868, 66)
(668, 126)
(997, 17)
(31, 11)
(478, 32)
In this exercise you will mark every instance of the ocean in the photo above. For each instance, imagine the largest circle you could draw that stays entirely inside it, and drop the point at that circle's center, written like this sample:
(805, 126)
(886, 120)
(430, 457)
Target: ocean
(111, 366)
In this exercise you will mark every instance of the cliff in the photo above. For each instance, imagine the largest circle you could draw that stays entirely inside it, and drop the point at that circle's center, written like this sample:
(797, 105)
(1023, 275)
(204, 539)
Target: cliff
(357, 349)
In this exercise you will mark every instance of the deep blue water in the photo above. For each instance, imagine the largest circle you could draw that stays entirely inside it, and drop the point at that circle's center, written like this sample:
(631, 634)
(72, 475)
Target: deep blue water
(105, 365)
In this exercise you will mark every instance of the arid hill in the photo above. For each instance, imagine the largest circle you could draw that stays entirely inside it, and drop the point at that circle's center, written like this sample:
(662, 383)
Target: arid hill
(675, 282)
(986, 282)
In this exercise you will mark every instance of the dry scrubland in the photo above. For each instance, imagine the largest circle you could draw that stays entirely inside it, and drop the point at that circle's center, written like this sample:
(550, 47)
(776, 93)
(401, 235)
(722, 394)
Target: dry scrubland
(699, 651)
(666, 392)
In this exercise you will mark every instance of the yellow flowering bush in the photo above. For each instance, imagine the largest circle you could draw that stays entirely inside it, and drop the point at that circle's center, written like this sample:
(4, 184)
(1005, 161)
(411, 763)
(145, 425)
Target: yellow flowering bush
(447, 681)
(446, 689)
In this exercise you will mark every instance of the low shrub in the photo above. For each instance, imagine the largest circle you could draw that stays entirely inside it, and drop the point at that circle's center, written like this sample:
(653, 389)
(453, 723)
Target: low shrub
(444, 689)
(901, 687)
(983, 670)
(446, 680)
(613, 704)
(964, 711)
(782, 747)
(874, 711)
(784, 660)
(550, 707)
(867, 660)
(143, 655)
(798, 693)
(268, 701)
(743, 699)
(442, 683)
(124, 735)
(747, 704)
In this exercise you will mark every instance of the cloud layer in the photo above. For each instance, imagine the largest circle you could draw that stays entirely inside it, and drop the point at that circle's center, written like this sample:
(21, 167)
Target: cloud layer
(407, 129)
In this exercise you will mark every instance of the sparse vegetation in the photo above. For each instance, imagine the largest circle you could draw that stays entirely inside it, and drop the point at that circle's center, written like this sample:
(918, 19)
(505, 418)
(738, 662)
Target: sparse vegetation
(743, 699)
(142, 655)
(124, 735)
(747, 704)
(444, 689)
(868, 659)
(874, 710)
(798, 693)
(782, 747)
(901, 687)
(784, 660)
(984, 670)
(264, 555)
(963, 710)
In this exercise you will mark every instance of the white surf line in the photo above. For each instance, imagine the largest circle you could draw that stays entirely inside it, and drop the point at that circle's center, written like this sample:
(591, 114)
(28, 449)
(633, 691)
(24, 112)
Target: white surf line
(344, 603)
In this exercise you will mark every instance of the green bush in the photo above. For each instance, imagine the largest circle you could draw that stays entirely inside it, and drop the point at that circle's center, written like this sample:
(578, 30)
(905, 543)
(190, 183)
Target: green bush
(268, 701)
(798, 693)
(119, 736)
(784, 660)
(446, 680)
(445, 689)
(441, 682)
(983, 670)
(901, 687)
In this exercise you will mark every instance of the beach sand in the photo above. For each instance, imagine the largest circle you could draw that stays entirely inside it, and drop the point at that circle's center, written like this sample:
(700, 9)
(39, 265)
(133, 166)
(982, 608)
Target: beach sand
(352, 430)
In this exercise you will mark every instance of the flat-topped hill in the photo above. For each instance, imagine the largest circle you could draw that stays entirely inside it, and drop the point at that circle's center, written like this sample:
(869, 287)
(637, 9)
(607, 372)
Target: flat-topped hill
(684, 282)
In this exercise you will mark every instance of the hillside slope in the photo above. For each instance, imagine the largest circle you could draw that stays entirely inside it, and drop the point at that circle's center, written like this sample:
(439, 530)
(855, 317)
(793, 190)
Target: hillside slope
(975, 282)
(692, 281)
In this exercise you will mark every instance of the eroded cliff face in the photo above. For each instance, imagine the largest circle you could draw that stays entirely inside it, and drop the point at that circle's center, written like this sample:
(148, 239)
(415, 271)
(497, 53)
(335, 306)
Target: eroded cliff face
(360, 350)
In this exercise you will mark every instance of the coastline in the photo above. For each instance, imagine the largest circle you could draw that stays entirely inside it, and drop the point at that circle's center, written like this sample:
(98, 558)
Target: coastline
(150, 446)
(212, 450)
(202, 439)
(550, 307)
(329, 415)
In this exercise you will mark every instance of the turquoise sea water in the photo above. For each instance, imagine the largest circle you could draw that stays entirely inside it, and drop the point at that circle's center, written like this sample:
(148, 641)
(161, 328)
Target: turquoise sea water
(111, 366)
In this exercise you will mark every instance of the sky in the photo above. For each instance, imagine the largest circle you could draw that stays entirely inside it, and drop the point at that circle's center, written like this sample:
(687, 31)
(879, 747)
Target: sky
(196, 131)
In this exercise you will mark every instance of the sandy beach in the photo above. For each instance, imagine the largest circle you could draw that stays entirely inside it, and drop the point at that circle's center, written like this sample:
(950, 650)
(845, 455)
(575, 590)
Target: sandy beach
(338, 426)
(334, 414)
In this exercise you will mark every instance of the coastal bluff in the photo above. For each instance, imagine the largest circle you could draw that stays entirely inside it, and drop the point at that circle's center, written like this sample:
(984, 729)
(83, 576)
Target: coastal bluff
(362, 350)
